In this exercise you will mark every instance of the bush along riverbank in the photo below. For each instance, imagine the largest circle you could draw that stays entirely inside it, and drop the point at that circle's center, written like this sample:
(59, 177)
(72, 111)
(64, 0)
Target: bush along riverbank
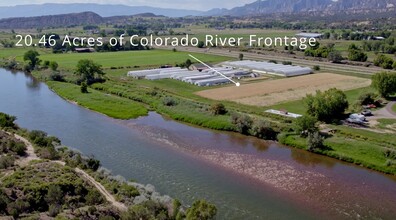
(40, 178)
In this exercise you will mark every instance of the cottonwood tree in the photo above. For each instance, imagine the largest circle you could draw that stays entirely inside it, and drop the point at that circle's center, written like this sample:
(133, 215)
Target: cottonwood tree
(384, 83)
(89, 71)
(305, 125)
(327, 106)
(32, 57)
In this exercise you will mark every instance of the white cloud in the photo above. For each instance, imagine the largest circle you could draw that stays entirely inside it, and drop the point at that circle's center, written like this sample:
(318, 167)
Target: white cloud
(179, 4)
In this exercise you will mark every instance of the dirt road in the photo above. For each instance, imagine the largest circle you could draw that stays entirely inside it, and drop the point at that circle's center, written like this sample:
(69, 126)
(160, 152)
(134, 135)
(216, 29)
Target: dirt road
(30, 155)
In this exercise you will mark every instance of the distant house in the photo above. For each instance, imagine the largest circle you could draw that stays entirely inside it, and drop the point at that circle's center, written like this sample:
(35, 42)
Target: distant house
(198, 66)
(309, 35)
(84, 50)
(378, 38)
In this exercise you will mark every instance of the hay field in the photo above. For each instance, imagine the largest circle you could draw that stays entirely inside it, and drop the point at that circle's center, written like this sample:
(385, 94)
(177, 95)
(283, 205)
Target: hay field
(276, 91)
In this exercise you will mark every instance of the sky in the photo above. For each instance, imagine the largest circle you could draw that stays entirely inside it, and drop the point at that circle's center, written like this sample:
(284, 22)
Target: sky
(178, 4)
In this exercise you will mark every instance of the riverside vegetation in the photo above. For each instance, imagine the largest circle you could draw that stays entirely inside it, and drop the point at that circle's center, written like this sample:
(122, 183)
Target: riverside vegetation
(50, 186)
(122, 97)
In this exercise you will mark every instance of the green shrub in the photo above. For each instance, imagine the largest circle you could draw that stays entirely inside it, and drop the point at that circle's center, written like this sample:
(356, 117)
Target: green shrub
(314, 141)
(218, 109)
(201, 210)
(316, 68)
(263, 129)
(169, 101)
(54, 210)
(54, 195)
(56, 76)
(7, 121)
(17, 147)
(390, 154)
(242, 123)
(84, 87)
(93, 197)
(6, 161)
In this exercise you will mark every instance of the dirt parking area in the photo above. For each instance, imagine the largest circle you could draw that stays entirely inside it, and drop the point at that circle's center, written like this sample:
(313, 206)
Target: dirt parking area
(271, 92)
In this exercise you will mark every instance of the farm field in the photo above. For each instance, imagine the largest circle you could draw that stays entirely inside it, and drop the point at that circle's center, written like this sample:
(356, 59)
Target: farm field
(132, 59)
(272, 92)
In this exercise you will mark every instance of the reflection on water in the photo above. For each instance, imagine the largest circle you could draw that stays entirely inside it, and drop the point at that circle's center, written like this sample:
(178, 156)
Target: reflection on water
(246, 177)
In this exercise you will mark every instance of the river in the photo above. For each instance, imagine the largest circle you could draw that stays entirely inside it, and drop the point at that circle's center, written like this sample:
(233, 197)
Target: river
(245, 177)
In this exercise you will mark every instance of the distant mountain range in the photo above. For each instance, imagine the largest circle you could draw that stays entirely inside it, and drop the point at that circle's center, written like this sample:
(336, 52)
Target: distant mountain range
(102, 10)
(63, 20)
(55, 15)
(262, 7)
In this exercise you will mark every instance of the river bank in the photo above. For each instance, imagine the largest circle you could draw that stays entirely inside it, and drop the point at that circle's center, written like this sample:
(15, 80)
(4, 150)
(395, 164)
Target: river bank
(122, 97)
(45, 154)
(174, 128)
(198, 113)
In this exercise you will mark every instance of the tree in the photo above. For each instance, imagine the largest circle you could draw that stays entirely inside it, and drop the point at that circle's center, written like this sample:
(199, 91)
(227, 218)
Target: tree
(366, 99)
(305, 125)
(201, 44)
(201, 210)
(335, 56)
(84, 87)
(188, 63)
(218, 109)
(89, 71)
(384, 61)
(327, 106)
(357, 55)
(32, 57)
(384, 83)
(53, 65)
(240, 56)
(314, 141)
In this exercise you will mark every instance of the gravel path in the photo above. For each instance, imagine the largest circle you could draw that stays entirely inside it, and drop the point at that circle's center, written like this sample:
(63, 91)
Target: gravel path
(385, 112)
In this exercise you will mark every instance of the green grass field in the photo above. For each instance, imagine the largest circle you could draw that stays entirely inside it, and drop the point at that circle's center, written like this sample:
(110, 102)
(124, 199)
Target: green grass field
(122, 59)
(394, 108)
(141, 59)
(109, 105)
(361, 147)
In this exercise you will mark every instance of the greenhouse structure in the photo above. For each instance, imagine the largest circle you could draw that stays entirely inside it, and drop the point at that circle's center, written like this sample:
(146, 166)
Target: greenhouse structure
(268, 68)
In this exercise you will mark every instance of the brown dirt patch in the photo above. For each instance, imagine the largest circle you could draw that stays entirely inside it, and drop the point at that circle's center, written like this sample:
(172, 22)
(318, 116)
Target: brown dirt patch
(272, 92)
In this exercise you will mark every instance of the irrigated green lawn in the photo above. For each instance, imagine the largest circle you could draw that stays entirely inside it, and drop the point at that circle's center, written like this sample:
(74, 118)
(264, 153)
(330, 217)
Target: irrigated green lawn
(394, 108)
(110, 105)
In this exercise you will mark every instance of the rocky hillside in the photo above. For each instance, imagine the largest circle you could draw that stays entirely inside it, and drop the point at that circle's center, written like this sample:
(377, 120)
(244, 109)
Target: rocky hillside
(64, 20)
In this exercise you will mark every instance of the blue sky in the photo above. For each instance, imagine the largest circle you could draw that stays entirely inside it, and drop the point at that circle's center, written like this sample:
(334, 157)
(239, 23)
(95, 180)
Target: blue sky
(180, 4)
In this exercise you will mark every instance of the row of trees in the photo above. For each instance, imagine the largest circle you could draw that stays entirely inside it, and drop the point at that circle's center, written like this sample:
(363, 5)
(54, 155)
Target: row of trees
(328, 51)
